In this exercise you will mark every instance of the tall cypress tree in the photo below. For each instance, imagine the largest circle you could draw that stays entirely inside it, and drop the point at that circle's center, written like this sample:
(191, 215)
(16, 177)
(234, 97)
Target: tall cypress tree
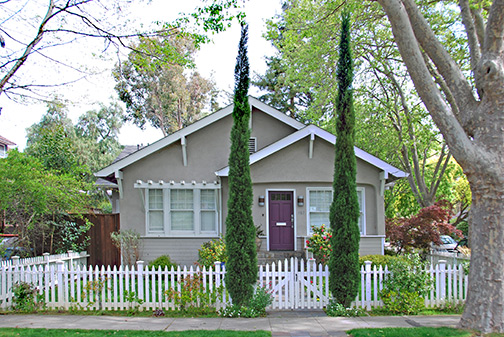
(344, 211)
(241, 265)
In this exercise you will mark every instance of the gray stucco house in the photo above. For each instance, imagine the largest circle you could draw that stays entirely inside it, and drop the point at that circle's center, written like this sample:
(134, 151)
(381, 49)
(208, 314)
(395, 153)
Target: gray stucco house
(174, 192)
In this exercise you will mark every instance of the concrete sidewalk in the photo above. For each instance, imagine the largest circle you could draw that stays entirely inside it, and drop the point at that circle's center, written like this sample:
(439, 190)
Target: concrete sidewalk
(280, 323)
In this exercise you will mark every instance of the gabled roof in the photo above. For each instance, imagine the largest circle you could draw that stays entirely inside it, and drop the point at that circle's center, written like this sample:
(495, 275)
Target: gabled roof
(313, 130)
(5, 141)
(177, 136)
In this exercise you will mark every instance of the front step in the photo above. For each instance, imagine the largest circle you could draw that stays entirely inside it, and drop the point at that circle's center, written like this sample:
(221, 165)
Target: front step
(265, 257)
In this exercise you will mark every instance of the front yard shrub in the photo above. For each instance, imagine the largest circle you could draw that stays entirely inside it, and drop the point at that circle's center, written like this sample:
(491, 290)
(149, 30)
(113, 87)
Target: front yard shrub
(405, 286)
(319, 244)
(73, 236)
(256, 307)
(211, 252)
(26, 297)
(194, 295)
(403, 302)
(128, 241)
(163, 261)
(336, 309)
(378, 260)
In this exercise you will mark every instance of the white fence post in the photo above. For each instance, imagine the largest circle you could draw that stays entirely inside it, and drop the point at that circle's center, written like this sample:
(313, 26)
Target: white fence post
(140, 280)
(368, 284)
(61, 286)
(442, 280)
(46, 258)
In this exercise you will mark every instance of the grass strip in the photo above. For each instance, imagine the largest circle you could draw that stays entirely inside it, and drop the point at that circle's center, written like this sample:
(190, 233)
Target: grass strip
(411, 332)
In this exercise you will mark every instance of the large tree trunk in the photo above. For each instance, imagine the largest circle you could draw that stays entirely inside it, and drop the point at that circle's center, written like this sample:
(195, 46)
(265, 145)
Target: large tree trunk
(475, 136)
(485, 303)
(484, 309)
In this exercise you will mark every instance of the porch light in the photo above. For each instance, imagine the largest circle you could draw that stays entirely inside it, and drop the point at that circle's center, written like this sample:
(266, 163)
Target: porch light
(261, 200)
(300, 200)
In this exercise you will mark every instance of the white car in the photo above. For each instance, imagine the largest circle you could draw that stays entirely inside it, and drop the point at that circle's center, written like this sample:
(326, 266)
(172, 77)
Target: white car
(449, 244)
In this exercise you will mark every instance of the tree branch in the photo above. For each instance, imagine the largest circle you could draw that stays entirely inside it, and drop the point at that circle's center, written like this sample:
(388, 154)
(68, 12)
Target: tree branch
(479, 24)
(472, 38)
(460, 145)
(452, 74)
(28, 48)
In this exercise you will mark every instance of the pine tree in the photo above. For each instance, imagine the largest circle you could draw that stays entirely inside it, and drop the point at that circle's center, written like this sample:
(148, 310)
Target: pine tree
(241, 266)
(344, 211)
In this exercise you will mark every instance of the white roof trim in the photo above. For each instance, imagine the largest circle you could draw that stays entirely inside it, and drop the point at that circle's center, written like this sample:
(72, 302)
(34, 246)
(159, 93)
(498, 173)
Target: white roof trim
(315, 130)
(176, 136)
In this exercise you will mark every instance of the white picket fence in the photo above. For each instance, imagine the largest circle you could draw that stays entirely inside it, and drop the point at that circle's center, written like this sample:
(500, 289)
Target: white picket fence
(294, 284)
(70, 258)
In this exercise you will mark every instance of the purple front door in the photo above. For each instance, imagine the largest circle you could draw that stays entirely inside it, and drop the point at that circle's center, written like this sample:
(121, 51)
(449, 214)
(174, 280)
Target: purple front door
(281, 220)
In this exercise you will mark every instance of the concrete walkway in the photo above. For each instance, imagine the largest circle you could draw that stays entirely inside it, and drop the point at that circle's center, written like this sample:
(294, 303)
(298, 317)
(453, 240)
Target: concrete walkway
(280, 323)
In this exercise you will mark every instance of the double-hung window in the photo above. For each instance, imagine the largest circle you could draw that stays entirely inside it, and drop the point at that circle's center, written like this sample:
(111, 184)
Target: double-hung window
(319, 202)
(208, 211)
(181, 209)
(155, 211)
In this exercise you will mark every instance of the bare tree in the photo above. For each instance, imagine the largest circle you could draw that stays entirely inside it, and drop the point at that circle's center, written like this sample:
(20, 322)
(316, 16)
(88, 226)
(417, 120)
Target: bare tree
(39, 29)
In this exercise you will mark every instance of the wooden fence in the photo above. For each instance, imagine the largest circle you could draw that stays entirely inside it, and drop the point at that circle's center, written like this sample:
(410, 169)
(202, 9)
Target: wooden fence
(293, 284)
(101, 250)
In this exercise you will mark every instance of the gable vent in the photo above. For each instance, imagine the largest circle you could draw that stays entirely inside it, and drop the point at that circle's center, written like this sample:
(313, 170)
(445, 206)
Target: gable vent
(252, 145)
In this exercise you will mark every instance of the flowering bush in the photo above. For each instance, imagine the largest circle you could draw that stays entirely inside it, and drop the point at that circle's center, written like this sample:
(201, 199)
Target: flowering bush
(319, 244)
(211, 252)
(192, 293)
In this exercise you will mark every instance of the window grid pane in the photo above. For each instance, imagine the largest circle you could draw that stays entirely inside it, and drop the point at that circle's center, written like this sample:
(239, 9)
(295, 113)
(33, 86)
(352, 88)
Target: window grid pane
(156, 199)
(156, 221)
(181, 199)
(182, 221)
(320, 201)
(208, 223)
(319, 219)
(208, 200)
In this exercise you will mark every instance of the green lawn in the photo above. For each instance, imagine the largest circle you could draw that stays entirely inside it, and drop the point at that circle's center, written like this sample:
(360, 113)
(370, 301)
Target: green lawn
(415, 332)
(8, 332)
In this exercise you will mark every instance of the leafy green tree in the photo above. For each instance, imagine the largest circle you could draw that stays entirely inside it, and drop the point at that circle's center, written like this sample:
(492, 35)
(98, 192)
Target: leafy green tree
(97, 133)
(344, 210)
(79, 149)
(33, 196)
(156, 88)
(241, 266)
(391, 123)
(279, 93)
(52, 140)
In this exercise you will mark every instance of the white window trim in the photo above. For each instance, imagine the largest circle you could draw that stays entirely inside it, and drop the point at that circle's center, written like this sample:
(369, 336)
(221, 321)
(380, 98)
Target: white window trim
(362, 207)
(167, 187)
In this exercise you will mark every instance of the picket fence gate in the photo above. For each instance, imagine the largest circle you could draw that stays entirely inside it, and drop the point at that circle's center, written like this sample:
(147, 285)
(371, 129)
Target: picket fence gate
(294, 284)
